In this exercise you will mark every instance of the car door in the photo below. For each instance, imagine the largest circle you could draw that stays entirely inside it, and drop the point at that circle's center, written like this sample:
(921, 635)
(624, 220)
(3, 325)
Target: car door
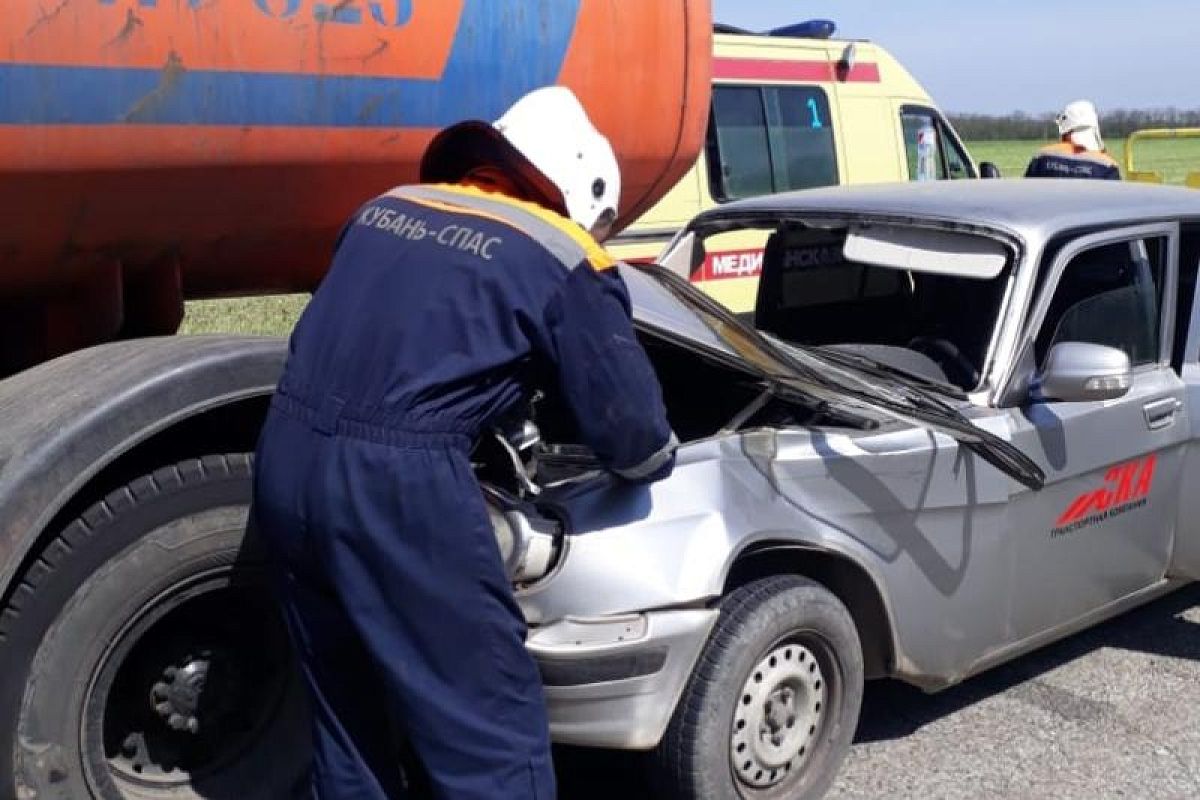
(1185, 561)
(1102, 527)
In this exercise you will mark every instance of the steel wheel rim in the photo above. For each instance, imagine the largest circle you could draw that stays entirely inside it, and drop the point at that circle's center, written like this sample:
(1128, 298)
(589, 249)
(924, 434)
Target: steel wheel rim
(778, 716)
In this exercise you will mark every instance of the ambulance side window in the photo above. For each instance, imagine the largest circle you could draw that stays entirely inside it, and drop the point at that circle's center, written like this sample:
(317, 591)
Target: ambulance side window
(803, 138)
(933, 152)
(739, 150)
(765, 139)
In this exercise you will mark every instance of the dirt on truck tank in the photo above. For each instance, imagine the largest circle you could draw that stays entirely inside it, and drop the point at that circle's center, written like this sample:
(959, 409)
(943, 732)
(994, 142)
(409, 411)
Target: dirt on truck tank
(156, 151)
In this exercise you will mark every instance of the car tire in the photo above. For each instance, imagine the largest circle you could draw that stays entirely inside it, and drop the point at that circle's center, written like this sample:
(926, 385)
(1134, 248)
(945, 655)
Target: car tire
(771, 707)
(142, 656)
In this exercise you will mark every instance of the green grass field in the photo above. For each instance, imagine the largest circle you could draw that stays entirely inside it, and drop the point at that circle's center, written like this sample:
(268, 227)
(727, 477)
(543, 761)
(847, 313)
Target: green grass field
(277, 315)
(271, 316)
(1174, 159)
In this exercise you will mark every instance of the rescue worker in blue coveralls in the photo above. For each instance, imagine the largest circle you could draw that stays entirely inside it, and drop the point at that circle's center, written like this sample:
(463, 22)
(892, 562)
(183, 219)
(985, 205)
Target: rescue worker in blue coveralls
(439, 298)
(1080, 153)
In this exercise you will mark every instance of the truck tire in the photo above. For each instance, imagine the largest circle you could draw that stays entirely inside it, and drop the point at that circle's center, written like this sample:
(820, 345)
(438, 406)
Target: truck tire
(142, 657)
(772, 704)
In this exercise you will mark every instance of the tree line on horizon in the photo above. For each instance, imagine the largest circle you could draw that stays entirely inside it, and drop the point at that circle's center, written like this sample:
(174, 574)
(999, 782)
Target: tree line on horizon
(1114, 124)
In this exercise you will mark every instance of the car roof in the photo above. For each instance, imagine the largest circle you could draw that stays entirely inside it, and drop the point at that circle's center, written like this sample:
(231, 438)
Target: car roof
(1034, 207)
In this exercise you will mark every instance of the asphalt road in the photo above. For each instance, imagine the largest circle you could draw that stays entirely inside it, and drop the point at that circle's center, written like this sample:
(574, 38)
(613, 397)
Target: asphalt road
(1113, 712)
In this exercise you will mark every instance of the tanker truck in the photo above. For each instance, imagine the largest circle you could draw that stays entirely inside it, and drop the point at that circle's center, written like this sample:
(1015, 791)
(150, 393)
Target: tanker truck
(157, 151)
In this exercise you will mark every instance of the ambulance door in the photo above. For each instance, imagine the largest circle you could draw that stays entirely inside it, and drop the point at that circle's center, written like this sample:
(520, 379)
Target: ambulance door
(872, 150)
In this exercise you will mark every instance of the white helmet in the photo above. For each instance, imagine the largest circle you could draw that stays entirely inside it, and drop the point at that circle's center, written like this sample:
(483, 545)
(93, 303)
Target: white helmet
(1080, 122)
(573, 164)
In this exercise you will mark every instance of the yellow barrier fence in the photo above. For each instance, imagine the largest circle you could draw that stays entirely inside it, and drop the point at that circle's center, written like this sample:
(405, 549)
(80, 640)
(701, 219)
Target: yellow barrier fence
(1150, 176)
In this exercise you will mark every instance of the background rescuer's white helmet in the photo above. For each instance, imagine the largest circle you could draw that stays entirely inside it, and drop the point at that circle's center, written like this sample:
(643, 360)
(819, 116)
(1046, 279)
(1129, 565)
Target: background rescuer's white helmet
(548, 130)
(1080, 121)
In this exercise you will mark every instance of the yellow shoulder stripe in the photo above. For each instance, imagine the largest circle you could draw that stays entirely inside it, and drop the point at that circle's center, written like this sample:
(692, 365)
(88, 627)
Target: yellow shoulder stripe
(596, 255)
(456, 209)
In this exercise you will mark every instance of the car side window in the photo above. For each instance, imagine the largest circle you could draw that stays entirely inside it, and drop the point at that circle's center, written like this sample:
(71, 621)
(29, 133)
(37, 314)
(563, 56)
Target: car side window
(1110, 295)
(933, 153)
(765, 139)
(1189, 266)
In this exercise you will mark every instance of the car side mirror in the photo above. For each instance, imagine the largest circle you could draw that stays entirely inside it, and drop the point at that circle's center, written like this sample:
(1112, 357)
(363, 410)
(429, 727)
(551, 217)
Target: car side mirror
(1077, 372)
(989, 170)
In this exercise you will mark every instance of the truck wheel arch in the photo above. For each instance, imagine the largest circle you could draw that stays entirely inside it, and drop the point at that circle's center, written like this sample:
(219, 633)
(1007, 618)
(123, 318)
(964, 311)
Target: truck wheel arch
(84, 424)
(848, 580)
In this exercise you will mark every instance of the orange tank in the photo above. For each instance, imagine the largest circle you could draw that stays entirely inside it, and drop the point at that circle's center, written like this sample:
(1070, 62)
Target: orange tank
(156, 150)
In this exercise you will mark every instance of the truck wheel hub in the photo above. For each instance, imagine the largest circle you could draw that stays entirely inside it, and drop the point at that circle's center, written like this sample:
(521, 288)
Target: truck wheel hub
(176, 698)
(777, 716)
(180, 698)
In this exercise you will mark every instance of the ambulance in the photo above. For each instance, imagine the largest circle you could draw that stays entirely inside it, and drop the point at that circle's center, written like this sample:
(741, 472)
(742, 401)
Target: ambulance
(795, 108)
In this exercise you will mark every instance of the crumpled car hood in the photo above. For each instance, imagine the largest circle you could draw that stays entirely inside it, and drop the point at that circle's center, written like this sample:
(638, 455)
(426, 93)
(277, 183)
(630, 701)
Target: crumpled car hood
(658, 312)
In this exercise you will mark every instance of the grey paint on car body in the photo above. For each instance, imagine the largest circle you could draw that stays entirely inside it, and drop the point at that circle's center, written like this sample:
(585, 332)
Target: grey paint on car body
(972, 567)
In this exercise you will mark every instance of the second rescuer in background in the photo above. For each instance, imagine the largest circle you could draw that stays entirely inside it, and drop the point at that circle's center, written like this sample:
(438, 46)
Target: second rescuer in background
(1080, 153)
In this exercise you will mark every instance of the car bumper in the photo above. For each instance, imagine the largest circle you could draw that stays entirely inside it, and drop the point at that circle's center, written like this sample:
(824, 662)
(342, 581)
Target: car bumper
(613, 682)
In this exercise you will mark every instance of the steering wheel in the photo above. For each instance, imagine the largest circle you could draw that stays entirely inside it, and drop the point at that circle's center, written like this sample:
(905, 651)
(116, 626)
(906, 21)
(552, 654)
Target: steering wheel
(958, 368)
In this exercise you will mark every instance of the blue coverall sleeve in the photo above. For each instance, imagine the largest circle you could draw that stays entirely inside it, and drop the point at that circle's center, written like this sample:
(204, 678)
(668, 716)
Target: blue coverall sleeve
(606, 377)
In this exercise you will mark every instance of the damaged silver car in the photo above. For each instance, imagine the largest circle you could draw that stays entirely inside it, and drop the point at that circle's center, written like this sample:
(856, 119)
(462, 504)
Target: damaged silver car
(955, 430)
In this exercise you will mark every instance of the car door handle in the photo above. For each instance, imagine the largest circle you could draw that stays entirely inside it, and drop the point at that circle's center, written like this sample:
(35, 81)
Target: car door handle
(1161, 413)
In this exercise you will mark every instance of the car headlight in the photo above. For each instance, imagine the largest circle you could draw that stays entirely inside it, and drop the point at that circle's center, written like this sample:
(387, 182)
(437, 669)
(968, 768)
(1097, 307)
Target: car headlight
(528, 547)
(505, 537)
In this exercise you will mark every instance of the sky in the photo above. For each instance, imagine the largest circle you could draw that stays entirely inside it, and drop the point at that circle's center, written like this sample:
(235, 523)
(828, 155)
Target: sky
(998, 56)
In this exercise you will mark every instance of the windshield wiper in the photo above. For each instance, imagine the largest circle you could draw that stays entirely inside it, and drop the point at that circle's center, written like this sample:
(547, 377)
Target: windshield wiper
(882, 369)
(919, 408)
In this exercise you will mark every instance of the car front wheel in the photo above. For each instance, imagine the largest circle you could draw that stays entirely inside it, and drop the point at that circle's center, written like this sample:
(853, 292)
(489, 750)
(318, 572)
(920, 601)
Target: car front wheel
(772, 705)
